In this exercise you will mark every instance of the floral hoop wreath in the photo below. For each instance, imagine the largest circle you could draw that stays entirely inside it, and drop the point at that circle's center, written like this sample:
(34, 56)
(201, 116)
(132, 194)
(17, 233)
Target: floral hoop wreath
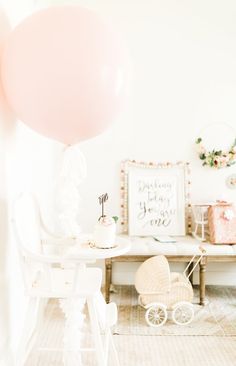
(216, 158)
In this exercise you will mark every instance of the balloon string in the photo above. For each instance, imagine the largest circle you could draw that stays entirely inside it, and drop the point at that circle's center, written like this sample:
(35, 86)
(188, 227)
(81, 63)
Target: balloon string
(66, 147)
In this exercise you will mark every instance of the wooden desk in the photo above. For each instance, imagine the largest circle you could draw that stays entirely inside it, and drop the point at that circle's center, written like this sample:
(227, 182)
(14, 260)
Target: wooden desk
(214, 253)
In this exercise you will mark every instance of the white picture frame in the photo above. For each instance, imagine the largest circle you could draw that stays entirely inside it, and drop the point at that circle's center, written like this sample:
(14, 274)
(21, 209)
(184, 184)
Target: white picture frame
(155, 198)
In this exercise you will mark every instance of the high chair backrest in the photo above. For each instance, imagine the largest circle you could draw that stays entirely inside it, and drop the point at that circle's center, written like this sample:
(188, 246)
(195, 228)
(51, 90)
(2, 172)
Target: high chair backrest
(26, 227)
(44, 275)
(27, 223)
(153, 276)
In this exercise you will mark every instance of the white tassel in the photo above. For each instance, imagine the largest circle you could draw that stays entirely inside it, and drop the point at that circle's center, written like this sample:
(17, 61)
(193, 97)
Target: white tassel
(72, 172)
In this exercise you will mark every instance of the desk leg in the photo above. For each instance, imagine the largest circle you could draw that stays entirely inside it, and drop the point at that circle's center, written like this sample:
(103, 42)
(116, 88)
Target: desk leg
(191, 276)
(202, 272)
(108, 265)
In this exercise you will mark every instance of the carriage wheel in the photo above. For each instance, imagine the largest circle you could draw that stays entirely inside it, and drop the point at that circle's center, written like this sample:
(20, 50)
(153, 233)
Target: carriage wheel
(156, 315)
(183, 313)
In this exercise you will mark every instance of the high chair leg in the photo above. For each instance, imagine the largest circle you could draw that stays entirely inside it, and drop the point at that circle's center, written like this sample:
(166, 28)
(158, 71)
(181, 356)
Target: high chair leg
(96, 333)
(114, 353)
(31, 323)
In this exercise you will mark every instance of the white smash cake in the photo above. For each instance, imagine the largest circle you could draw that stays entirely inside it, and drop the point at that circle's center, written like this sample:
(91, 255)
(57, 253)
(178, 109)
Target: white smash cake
(105, 232)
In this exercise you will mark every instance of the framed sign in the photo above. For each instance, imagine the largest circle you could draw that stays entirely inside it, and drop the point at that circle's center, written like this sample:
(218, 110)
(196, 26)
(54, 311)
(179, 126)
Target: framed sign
(155, 198)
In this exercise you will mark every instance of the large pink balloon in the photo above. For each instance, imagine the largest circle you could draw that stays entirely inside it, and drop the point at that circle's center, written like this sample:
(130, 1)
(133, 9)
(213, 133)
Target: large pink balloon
(65, 73)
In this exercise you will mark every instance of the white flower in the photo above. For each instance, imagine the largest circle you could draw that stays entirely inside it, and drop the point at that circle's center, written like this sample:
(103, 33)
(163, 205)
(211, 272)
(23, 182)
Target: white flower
(228, 214)
(106, 221)
(201, 149)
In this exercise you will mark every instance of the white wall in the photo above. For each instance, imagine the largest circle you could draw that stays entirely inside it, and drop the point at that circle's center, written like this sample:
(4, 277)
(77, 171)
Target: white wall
(184, 57)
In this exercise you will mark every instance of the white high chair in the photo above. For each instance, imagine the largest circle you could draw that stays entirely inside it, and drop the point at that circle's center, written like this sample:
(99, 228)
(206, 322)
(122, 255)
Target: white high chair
(51, 276)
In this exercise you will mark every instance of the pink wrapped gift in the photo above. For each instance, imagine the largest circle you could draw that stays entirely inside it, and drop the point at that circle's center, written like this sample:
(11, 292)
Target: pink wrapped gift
(222, 223)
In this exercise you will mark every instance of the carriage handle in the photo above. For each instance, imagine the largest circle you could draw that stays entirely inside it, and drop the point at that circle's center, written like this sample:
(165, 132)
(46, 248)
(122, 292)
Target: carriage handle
(203, 253)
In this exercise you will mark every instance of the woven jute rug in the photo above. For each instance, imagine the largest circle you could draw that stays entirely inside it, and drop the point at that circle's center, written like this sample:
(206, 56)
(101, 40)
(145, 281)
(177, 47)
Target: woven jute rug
(217, 318)
(209, 341)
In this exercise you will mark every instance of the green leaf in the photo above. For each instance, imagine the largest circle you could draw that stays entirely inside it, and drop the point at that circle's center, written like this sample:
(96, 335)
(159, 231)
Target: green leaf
(202, 156)
(115, 218)
(198, 140)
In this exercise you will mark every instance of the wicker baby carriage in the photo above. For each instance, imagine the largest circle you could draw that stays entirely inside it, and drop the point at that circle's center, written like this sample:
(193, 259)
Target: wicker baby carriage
(161, 290)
